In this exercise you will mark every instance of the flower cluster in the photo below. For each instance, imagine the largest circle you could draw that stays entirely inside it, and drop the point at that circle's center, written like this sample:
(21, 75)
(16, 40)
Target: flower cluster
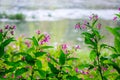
(116, 17)
(7, 29)
(45, 39)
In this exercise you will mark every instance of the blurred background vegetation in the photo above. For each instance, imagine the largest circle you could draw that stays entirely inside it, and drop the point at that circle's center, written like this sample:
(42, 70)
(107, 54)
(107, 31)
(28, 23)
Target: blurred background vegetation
(57, 17)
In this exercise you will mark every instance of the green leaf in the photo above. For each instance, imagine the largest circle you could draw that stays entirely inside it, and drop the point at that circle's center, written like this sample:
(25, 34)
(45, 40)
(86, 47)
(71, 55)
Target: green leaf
(88, 35)
(52, 68)
(115, 56)
(118, 77)
(108, 47)
(62, 58)
(1, 37)
(46, 47)
(93, 55)
(118, 15)
(40, 37)
(82, 66)
(15, 64)
(89, 41)
(53, 59)
(42, 73)
(93, 23)
(8, 41)
(39, 64)
(20, 71)
(29, 59)
(10, 69)
(35, 41)
(71, 58)
(113, 31)
(115, 66)
(73, 78)
(117, 44)
(1, 51)
(38, 54)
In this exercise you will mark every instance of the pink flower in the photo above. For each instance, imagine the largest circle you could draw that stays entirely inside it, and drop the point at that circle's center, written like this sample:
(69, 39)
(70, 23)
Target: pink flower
(14, 27)
(1, 30)
(77, 47)
(46, 38)
(64, 46)
(4, 76)
(76, 70)
(99, 26)
(12, 76)
(38, 32)
(27, 43)
(85, 22)
(12, 32)
(104, 69)
(67, 70)
(7, 26)
(19, 77)
(41, 42)
(91, 76)
(82, 72)
(115, 18)
(86, 72)
(119, 9)
(77, 26)
(90, 17)
(83, 26)
(96, 17)
(48, 59)
(95, 69)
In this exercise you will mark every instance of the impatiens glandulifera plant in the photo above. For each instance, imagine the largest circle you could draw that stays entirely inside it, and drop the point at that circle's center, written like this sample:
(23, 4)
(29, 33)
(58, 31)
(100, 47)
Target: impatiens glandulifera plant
(93, 38)
(32, 57)
(6, 37)
(114, 61)
(62, 65)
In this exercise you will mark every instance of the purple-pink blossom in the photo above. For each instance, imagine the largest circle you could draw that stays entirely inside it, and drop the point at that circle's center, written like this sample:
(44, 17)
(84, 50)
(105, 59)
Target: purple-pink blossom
(96, 17)
(12, 32)
(64, 46)
(77, 26)
(38, 32)
(85, 22)
(90, 17)
(4, 76)
(45, 39)
(115, 18)
(93, 17)
(104, 69)
(83, 26)
(27, 43)
(14, 27)
(77, 47)
(7, 26)
(1, 30)
(76, 70)
(119, 9)
(99, 26)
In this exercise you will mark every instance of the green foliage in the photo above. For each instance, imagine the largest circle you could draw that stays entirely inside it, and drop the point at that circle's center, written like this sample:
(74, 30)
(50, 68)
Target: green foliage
(20, 71)
(18, 16)
(52, 68)
(62, 58)
(35, 59)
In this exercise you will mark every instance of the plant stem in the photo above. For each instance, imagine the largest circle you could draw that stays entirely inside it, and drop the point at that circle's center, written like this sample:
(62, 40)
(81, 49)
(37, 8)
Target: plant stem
(100, 71)
(98, 59)
(32, 73)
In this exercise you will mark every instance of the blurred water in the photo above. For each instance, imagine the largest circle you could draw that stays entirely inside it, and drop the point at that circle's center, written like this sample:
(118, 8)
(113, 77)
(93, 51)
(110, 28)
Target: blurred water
(58, 17)
(55, 4)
